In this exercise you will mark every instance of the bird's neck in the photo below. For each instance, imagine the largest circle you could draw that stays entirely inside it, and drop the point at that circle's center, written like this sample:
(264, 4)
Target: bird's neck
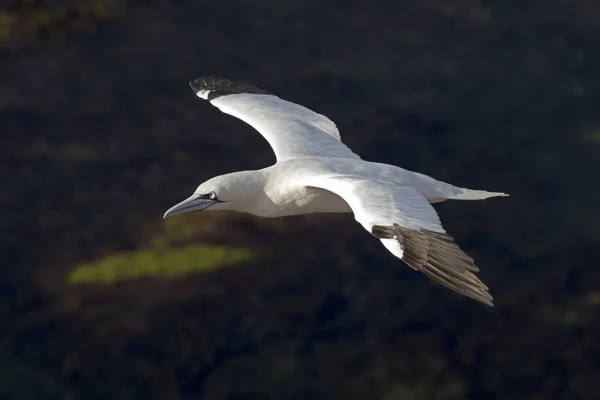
(249, 190)
(257, 192)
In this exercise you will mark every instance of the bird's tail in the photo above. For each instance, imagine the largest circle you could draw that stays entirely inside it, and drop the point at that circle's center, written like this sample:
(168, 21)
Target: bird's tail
(469, 194)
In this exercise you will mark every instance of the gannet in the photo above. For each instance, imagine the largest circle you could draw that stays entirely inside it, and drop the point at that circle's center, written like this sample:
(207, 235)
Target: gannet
(316, 173)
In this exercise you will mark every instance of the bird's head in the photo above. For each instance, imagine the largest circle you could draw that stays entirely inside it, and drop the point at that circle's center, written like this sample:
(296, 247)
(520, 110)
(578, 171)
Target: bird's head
(235, 191)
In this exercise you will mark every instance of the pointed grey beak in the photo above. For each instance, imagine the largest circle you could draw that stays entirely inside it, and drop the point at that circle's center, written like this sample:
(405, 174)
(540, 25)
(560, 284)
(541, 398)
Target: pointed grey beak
(193, 203)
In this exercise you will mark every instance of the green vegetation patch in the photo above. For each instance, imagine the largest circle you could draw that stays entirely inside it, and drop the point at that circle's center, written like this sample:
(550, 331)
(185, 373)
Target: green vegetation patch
(181, 230)
(159, 262)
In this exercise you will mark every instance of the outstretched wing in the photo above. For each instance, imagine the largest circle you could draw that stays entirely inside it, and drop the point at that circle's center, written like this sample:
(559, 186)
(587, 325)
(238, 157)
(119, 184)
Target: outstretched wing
(292, 130)
(409, 228)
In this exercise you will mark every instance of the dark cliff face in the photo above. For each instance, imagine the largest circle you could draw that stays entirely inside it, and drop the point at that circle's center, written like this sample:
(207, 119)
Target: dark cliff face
(100, 134)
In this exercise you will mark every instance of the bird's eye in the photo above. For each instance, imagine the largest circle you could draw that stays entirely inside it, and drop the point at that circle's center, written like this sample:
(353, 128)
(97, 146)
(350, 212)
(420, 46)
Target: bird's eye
(212, 195)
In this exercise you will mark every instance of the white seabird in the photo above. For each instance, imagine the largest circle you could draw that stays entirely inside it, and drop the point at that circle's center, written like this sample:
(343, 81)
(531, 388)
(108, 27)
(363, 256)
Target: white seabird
(316, 173)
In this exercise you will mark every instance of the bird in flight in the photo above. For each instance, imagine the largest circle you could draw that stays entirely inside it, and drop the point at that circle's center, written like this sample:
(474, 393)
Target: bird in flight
(316, 173)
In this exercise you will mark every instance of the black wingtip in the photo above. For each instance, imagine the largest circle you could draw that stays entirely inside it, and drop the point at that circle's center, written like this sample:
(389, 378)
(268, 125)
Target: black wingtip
(217, 86)
(196, 84)
(436, 255)
(207, 82)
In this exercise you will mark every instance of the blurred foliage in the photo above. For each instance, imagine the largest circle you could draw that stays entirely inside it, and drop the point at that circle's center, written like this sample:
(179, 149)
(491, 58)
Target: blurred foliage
(167, 253)
(163, 262)
(24, 20)
(183, 229)
(404, 392)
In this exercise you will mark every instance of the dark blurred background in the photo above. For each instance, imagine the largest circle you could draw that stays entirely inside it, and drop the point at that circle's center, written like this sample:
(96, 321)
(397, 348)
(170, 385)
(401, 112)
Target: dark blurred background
(100, 134)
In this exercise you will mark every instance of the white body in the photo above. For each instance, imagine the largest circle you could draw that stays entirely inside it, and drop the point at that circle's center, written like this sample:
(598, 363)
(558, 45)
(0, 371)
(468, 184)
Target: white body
(287, 192)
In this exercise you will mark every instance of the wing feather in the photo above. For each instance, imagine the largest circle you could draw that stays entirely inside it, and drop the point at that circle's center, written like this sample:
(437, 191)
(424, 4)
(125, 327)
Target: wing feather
(292, 130)
(402, 215)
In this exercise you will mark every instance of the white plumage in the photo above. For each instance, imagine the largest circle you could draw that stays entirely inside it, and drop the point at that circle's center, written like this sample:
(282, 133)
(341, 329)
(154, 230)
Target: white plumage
(293, 131)
(315, 172)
